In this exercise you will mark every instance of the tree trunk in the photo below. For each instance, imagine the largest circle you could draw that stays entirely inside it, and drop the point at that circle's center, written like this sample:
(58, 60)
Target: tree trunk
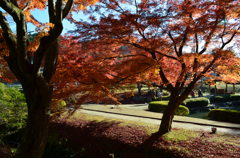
(226, 89)
(38, 99)
(167, 118)
(234, 88)
(139, 87)
(168, 114)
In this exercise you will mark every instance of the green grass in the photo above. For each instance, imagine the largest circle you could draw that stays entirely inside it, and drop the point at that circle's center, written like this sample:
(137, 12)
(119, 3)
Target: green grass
(180, 135)
(224, 138)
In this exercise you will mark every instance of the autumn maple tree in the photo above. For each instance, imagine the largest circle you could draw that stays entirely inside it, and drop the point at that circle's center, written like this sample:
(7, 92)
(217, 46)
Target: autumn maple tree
(175, 42)
(34, 62)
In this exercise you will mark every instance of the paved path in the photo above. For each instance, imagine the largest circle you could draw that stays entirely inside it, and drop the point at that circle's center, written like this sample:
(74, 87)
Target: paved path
(137, 112)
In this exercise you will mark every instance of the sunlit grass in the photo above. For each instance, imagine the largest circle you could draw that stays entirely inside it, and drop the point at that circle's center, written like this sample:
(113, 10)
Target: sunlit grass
(180, 135)
(226, 139)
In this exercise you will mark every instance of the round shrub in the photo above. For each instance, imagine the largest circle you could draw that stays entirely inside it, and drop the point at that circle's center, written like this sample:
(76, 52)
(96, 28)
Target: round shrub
(166, 93)
(160, 106)
(234, 97)
(225, 115)
(165, 98)
(235, 104)
(196, 102)
(219, 98)
(225, 98)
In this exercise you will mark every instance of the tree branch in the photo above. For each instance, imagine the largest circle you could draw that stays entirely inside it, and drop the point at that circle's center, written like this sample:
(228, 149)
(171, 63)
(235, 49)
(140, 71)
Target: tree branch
(209, 37)
(183, 42)
(229, 40)
(174, 43)
(67, 8)
(11, 9)
(8, 34)
(124, 56)
(51, 61)
(169, 86)
(51, 11)
(152, 52)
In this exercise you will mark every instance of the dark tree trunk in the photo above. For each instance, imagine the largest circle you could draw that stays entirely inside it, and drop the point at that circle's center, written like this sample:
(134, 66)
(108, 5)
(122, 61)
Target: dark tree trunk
(38, 98)
(36, 87)
(139, 87)
(168, 114)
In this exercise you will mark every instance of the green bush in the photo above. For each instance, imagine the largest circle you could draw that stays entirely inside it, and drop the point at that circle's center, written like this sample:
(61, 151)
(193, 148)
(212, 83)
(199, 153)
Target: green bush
(165, 96)
(196, 102)
(160, 106)
(234, 97)
(235, 104)
(13, 108)
(225, 98)
(225, 115)
(166, 93)
(219, 98)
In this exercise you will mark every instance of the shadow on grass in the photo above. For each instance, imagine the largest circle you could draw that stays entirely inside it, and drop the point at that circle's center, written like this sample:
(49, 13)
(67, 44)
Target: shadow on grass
(104, 139)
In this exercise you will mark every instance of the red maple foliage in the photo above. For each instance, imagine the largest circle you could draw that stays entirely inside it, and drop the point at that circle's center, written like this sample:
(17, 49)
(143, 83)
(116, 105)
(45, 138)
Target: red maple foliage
(171, 43)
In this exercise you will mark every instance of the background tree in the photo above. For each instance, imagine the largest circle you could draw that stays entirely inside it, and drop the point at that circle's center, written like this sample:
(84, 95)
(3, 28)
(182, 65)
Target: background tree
(25, 59)
(181, 40)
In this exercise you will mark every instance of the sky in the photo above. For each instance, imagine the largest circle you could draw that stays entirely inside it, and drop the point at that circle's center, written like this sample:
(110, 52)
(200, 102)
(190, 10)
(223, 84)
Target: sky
(42, 16)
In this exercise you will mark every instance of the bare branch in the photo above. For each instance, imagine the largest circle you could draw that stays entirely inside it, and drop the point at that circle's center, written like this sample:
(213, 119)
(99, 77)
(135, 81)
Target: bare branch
(206, 69)
(165, 80)
(229, 40)
(182, 75)
(196, 42)
(174, 43)
(8, 34)
(56, 16)
(58, 11)
(67, 8)
(14, 2)
(183, 42)
(209, 37)
(124, 56)
(152, 52)
(51, 11)
(50, 61)
(11, 9)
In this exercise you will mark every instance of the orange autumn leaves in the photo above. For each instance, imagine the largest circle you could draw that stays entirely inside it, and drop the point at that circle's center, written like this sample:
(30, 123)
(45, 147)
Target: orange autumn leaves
(186, 40)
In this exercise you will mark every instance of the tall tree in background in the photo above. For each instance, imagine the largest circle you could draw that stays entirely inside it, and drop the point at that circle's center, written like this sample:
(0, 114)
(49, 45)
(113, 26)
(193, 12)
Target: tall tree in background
(25, 59)
(181, 40)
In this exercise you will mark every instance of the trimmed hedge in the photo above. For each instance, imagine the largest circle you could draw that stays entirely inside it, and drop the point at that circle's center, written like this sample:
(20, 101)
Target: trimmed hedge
(235, 104)
(196, 102)
(160, 106)
(234, 97)
(225, 115)
(225, 98)
(219, 98)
